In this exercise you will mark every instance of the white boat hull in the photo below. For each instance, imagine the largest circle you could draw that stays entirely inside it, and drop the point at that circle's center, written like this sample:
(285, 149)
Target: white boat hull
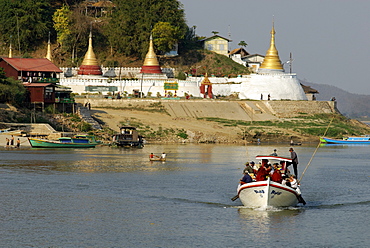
(267, 194)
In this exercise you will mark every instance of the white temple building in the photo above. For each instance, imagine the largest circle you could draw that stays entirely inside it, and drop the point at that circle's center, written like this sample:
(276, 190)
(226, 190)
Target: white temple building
(270, 82)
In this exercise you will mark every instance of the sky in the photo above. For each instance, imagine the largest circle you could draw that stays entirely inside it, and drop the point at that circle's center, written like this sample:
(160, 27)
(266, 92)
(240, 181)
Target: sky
(329, 39)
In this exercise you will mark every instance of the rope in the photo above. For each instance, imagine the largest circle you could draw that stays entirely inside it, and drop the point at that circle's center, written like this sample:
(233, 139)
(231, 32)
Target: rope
(314, 153)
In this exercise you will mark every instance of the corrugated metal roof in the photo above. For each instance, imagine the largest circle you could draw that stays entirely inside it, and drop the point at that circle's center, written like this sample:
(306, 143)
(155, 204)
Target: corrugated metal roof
(37, 84)
(31, 64)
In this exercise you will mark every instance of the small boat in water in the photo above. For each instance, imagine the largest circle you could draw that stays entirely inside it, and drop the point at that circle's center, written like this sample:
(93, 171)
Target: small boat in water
(268, 193)
(157, 159)
(365, 139)
(78, 141)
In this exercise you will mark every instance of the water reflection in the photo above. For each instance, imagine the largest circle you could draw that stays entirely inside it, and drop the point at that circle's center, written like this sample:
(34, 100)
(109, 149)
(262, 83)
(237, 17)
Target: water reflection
(261, 222)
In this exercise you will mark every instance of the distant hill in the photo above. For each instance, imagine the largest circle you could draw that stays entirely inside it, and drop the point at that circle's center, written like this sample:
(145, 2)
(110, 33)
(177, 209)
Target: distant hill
(349, 104)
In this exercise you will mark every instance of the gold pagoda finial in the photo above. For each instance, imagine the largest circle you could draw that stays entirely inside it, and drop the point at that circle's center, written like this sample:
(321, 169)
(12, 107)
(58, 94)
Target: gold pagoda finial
(90, 58)
(272, 60)
(151, 57)
(10, 51)
(48, 53)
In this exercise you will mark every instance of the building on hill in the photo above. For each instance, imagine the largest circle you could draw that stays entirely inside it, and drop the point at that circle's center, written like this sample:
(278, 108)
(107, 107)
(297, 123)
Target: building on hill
(254, 61)
(217, 44)
(238, 54)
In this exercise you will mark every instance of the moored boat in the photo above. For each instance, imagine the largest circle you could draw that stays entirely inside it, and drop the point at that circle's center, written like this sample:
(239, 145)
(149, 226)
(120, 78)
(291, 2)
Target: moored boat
(268, 193)
(78, 141)
(128, 137)
(365, 139)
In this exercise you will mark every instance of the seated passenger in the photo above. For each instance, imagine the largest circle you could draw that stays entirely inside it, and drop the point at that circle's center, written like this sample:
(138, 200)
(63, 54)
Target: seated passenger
(276, 175)
(293, 182)
(246, 179)
(264, 171)
(248, 168)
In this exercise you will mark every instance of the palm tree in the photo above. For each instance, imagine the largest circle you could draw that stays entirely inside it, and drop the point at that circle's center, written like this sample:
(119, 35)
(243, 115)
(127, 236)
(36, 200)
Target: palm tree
(242, 43)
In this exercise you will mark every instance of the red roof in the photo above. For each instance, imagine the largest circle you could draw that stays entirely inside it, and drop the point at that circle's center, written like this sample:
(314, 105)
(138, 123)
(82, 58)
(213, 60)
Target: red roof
(37, 84)
(30, 64)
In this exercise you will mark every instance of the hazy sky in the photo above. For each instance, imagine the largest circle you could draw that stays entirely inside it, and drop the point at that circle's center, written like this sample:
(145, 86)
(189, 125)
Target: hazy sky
(329, 39)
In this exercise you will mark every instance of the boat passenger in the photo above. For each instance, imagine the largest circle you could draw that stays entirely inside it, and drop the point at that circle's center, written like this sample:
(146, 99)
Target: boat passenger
(274, 153)
(264, 171)
(248, 168)
(276, 175)
(246, 179)
(163, 156)
(151, 155)
(293, 182)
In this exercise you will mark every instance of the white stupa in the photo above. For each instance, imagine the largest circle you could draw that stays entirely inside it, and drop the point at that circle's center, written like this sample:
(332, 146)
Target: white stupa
(271, 80)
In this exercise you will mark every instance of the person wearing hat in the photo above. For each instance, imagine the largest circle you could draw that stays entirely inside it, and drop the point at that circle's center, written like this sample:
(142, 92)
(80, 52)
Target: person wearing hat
(248, 168)
(294, 157)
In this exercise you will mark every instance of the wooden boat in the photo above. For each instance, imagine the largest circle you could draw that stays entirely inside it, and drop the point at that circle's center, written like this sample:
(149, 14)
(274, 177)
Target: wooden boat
(78, 141)
(157, 159)
(128, 137)
(365, 139)
(268, 193)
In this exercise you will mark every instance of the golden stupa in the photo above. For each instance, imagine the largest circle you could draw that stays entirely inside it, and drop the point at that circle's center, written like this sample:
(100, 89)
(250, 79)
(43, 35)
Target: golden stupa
(48, 53)
(10, 51)
(151, 64)
(90, 64)
(272, 60)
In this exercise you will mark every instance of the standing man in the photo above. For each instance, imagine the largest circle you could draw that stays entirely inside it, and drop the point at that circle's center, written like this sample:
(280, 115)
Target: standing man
(294, 157)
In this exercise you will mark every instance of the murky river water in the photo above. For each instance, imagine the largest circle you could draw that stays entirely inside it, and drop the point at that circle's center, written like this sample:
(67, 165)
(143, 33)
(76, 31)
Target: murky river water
(107, 197)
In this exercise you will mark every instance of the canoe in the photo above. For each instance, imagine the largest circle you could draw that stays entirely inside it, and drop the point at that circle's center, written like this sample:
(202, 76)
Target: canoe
(80, 141)
(157, 159)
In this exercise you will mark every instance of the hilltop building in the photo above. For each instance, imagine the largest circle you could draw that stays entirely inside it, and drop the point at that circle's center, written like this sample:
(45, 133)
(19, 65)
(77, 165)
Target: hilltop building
(217, 44)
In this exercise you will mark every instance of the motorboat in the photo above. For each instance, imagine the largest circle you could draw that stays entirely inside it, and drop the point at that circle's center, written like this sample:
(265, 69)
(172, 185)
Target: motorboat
(128, 137)
(268, 193)
(365, 139)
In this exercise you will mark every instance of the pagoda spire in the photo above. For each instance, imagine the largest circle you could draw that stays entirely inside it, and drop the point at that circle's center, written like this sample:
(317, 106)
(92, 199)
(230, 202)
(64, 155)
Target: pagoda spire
(151, 64)
(272, 60)
(10, 51)
(90, 64)
(48, 53)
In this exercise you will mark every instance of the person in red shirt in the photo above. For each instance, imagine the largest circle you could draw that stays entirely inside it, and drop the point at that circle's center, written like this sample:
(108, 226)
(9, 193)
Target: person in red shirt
(276, 175)
(263, 171)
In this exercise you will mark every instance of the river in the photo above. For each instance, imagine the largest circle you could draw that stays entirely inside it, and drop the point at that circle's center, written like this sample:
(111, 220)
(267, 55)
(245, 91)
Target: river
(111, 197)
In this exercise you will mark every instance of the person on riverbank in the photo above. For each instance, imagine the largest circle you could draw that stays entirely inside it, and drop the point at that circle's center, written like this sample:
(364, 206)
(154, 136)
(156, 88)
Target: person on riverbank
(12, 141)
(294, 157)
(7, 142)
(18, 143)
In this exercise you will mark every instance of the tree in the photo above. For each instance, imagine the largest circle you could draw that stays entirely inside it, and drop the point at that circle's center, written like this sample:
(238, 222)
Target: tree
(62, 24)
(28, 22)
(11, 91)
(165, 36)
(242, 43)
(132, 22)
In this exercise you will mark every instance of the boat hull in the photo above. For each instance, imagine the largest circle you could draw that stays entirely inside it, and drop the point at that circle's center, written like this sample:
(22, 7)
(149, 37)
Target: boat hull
(157, 159)
(338, 141)
(267, 194)
(40, 143)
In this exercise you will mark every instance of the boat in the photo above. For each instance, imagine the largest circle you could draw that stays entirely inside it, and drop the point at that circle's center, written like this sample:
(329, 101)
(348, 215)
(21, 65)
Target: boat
(157, 159)
(365, 139)
(128, 137)
(267, 193)
(78, 141)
